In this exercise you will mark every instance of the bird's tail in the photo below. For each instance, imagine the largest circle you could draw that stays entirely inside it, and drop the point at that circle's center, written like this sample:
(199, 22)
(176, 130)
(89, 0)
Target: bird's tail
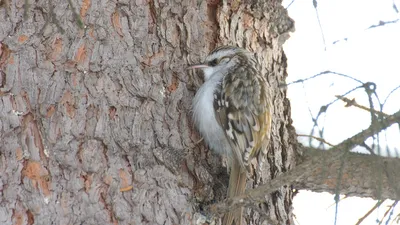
(237, 186)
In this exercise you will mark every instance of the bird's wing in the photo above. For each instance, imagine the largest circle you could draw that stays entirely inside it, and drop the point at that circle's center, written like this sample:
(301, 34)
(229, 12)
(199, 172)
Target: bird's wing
(243, 110)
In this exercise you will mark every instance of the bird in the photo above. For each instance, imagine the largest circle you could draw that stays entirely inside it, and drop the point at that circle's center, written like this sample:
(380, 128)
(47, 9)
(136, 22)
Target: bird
(232, 112)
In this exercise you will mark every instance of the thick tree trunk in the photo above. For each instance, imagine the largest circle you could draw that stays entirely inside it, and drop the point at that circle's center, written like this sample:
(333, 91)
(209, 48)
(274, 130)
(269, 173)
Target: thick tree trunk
(95, 122)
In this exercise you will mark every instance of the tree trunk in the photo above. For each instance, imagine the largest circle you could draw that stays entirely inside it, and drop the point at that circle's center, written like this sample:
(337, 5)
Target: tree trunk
(96, 124)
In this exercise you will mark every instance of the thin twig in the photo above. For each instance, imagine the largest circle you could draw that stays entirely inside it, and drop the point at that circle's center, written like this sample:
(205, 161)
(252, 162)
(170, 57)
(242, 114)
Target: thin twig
(371, 151)
(387, 211)
(342, 199)
(369, 212)
(391, 92)
(323, 110)
(320, 74)
(319, 22)
(353, 102)
(287, 7)
(316, 138)
(382, 23)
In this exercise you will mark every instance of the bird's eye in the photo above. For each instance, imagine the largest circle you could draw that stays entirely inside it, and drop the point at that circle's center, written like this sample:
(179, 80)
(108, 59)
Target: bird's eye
(224, 60)
(213, 62)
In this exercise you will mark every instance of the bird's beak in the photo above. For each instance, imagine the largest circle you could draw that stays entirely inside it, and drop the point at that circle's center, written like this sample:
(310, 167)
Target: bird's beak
(197, 66)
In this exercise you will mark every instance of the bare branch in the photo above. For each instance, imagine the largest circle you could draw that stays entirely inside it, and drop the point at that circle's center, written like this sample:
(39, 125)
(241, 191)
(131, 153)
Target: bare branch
(316, 138)
(379, 203)
(387, 211)
(311, 164)
(319, 22)
(359, 138)
(382, 23)
(320, 74)
(353, 102)
(395, 7)
(287, 7)
(391, 92)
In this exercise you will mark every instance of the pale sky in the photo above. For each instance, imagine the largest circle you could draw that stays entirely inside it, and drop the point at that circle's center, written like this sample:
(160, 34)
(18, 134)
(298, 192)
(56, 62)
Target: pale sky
(367, 55)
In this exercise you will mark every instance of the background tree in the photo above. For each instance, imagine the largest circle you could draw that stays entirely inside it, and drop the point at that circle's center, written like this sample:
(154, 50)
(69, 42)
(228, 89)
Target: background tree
(95, 114)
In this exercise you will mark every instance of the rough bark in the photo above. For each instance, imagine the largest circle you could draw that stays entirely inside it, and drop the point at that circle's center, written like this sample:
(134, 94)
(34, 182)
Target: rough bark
(95, 122)
(362, 175)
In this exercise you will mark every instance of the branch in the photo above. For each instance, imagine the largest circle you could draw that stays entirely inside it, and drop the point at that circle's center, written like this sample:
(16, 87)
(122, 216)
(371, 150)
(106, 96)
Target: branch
(380, 23)
(363, 175)
(359, 138)
(391, 208)
(316, 138)
(353, 102)
(383, 23)
(379, 203)
(311, 164)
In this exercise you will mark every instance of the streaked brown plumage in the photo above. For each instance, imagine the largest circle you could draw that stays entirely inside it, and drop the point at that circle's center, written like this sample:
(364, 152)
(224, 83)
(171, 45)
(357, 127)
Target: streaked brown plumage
(232, 111)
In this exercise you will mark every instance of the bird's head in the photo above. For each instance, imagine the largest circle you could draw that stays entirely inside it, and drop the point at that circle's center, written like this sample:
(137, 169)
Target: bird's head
(222, 60)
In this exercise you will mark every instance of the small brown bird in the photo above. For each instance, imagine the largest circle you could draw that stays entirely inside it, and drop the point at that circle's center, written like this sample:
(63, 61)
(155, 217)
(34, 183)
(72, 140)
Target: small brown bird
(232, 112)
